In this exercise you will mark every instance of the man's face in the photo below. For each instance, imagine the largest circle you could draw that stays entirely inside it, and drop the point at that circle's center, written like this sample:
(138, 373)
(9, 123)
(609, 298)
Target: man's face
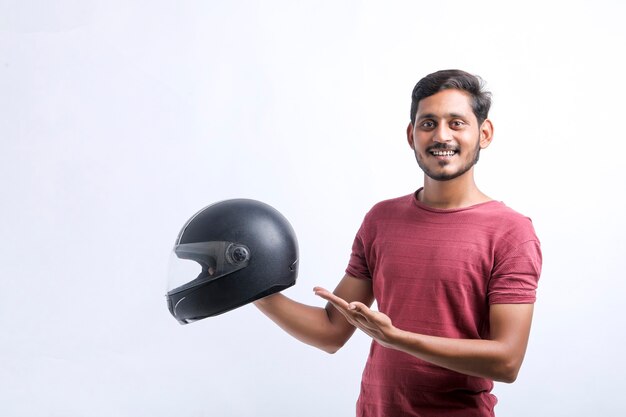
(446, 137)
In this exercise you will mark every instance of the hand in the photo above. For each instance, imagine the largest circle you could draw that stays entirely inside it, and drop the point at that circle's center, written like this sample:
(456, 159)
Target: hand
(373, 323)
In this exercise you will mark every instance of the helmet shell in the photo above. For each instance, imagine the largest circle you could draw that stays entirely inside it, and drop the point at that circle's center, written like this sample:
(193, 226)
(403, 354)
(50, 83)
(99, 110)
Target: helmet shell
(268, 241)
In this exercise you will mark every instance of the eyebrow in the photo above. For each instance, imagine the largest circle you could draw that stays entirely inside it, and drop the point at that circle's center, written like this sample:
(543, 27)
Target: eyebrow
(434, 116)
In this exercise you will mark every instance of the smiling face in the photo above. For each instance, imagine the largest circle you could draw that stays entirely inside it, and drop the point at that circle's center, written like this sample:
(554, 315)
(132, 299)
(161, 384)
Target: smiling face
(446, 136)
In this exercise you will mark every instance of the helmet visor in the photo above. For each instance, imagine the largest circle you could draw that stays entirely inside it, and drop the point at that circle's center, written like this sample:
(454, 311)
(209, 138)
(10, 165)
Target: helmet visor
(195, 264)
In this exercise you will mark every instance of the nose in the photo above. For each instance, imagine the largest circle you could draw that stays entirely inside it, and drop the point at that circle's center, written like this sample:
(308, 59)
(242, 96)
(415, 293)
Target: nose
(443, 133)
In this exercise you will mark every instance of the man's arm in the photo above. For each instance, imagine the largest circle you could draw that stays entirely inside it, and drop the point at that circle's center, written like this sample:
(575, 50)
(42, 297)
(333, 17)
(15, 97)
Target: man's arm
(498, 358)
(325, 328)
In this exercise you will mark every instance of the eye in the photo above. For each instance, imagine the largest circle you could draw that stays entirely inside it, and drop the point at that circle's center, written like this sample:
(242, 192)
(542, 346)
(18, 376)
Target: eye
(427, 125)
(457, 124)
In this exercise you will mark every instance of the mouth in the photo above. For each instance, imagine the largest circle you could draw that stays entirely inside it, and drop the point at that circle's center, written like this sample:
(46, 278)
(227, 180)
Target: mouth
(443, 153)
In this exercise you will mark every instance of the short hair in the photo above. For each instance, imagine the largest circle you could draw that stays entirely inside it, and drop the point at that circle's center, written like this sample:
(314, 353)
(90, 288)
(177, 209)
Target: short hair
(453, 79)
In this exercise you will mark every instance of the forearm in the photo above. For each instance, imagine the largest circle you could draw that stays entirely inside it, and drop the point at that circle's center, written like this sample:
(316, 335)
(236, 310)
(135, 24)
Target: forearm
(498, 358)
(311, 325)
(477, 357)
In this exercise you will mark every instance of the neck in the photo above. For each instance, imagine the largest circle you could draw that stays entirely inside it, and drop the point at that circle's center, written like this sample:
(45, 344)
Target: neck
(456, 193)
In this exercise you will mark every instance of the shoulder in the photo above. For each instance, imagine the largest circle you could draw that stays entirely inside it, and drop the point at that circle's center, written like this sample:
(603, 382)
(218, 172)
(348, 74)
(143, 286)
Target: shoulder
(391, 207)
(386, 212)
(510, 222)
(510, 234)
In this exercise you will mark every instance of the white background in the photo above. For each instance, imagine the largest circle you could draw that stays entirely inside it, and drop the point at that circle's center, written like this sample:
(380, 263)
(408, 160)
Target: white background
(120, 119)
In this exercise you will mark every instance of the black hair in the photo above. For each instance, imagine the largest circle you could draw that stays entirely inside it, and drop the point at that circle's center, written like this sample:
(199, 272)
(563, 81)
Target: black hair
(453, 79)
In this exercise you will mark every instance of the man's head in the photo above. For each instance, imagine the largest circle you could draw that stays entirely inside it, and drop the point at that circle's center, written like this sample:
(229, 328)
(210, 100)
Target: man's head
(453, 79)
(449, 124)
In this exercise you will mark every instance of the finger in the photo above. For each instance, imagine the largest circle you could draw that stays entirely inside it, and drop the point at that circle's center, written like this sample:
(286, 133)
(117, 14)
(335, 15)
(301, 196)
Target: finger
(364, 322)
(358, 306)
(321, 289)
(322, 292)
(331, 298)
(360, 309)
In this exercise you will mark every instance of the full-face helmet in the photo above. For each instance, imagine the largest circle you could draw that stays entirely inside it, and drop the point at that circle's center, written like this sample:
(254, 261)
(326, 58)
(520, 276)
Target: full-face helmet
(227, 255)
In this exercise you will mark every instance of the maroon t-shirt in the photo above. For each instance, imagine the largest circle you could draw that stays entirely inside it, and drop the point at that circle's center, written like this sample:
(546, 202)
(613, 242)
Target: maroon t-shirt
(436, 272)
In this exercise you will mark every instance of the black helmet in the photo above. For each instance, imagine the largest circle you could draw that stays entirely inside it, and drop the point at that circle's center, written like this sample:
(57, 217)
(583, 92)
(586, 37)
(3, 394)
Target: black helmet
(230, 254)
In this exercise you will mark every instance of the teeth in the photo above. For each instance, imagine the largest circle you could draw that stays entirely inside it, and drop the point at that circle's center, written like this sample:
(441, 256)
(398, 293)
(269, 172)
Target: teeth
(443, 153)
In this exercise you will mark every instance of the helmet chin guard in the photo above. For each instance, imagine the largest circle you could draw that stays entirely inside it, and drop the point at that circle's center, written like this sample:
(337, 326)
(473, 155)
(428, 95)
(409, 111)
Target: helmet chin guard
(227, 255)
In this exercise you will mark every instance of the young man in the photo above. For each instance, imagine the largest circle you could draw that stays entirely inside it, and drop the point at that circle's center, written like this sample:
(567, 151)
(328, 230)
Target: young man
(454, 274)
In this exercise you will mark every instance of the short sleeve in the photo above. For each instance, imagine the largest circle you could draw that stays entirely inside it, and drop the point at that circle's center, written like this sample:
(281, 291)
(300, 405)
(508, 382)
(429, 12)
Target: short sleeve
(515, 276)
(357, 266)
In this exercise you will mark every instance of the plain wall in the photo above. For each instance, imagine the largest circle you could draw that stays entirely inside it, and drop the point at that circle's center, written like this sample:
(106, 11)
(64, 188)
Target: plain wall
(120, 119)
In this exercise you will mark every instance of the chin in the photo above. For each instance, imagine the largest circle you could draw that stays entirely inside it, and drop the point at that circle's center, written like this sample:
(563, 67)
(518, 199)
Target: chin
(446, 175)
(442, 177)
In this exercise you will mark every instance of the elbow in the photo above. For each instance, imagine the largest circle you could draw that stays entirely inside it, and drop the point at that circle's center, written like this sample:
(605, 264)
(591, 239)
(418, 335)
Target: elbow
(508, 372)
(508, 378)
(331, 348)
(334, 338)
(333, 344)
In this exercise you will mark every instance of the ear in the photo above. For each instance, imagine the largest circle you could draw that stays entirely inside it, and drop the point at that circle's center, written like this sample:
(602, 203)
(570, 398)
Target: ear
(486, 133)
(409, 135)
